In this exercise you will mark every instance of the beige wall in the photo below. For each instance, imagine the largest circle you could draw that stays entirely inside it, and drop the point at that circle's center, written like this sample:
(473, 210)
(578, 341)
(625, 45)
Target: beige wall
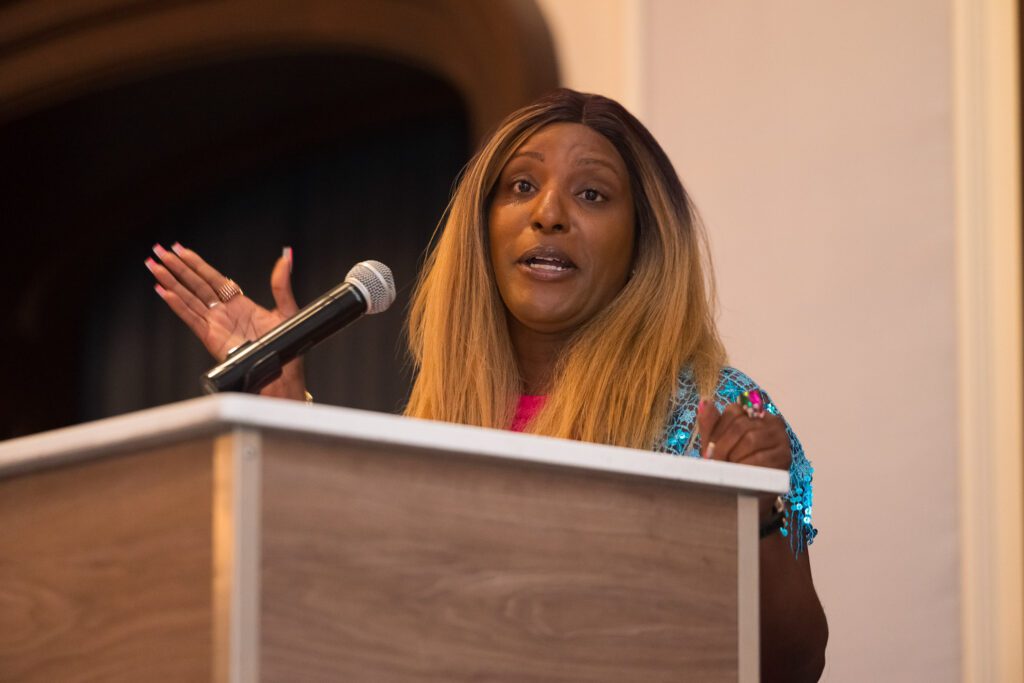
(817, 141)
(816, 138)
(598, 46)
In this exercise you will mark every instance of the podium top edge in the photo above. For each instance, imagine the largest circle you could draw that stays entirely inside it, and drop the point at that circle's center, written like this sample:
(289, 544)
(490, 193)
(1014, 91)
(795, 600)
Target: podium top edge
(223, 412)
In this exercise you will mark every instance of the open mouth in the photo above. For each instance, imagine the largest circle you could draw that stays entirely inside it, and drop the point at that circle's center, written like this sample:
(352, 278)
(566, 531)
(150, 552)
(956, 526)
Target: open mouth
(547, 260)
(549, 264)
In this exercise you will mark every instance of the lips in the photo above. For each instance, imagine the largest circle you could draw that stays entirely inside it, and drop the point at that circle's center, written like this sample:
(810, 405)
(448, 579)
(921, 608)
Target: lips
(546, 259)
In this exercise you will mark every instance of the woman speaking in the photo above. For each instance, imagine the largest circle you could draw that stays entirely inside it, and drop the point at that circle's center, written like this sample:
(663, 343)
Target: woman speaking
(568, 295)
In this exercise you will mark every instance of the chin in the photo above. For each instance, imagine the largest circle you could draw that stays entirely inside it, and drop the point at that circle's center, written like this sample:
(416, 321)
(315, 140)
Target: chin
(548, 321)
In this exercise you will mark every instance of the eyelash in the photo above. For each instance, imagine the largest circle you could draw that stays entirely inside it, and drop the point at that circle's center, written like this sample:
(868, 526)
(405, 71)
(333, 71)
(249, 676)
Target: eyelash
(517, 183)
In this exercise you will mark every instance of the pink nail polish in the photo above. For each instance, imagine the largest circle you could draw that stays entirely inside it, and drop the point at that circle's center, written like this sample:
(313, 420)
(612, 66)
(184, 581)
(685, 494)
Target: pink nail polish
(701, 405)
(158, 250)
(287, 253)
(150, 263)
(177, 248)
(159, 290)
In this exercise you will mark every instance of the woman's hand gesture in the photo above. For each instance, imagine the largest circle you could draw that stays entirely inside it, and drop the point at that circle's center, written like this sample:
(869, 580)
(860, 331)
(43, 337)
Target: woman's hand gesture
(188, 285)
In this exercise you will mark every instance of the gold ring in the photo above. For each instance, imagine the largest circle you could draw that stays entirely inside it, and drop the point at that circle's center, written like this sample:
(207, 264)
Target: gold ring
(228, 291)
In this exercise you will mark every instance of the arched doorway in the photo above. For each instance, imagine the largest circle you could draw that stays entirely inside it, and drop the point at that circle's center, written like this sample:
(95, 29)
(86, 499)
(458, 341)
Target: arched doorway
(334, 127)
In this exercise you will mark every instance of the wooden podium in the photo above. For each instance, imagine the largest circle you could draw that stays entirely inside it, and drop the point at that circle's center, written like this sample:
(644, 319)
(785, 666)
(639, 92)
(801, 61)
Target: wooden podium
(237, 538)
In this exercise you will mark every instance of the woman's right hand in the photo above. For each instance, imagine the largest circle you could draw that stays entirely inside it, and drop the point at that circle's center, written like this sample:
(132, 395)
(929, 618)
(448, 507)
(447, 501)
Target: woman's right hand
(188, 285)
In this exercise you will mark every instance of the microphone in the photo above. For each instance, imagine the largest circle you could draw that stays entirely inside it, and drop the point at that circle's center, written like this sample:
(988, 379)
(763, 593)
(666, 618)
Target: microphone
(368, 288)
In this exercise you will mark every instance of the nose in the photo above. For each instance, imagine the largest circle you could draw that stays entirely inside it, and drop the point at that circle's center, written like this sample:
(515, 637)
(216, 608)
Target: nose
(549, 212)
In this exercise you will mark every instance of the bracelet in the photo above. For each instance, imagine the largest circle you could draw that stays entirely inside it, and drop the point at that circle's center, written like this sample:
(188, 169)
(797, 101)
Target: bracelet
(778, 520)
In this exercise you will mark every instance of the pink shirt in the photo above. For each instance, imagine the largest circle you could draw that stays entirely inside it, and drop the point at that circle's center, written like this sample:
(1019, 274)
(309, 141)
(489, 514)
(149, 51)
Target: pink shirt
(527, 407)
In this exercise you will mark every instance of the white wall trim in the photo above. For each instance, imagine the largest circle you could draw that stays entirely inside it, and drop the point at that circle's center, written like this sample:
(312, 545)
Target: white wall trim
(988, 259)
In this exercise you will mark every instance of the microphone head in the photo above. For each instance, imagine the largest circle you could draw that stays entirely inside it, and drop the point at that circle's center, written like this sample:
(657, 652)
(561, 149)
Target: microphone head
(375, 282)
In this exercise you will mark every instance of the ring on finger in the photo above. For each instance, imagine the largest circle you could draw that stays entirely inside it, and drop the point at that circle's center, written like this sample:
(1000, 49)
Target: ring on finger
(228, 290)
(753, 404)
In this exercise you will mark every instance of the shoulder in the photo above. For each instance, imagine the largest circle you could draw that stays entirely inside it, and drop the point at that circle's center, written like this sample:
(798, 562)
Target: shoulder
(679, 435)
(732, 382)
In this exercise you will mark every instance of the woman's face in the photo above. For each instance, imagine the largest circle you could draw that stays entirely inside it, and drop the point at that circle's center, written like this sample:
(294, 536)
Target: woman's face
(561, 228)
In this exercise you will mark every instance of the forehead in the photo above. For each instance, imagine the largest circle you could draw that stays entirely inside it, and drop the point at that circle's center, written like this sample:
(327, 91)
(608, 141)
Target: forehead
(569, 141)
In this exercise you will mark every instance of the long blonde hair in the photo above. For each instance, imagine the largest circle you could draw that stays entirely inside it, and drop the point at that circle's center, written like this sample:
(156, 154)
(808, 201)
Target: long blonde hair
(616, 379)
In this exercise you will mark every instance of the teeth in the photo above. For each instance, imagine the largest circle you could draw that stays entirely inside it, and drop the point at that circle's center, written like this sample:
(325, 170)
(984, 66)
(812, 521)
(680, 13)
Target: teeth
(547, 265)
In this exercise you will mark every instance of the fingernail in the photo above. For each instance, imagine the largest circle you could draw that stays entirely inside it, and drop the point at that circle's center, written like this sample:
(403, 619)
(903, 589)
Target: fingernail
(159, 290)
(700, 406)
(710, 451)
(177, 248)
(150, 263)
(287, 253)
(158, 250)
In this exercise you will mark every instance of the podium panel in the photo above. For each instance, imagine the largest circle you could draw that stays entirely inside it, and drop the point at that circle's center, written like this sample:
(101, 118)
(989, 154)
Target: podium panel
(396, 567)
(106, 569)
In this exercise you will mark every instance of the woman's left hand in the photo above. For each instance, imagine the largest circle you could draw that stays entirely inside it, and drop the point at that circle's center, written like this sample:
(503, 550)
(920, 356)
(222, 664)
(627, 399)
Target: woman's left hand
(735, 436)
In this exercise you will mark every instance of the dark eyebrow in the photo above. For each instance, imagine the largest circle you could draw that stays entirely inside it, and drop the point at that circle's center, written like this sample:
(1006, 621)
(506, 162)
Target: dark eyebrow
(526, 153)
(583, 161)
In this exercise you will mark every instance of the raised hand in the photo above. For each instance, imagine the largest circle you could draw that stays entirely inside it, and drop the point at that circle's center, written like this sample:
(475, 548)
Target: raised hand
(189, 285)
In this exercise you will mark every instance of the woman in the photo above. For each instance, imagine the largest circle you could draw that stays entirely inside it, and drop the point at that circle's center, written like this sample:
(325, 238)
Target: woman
(567, 296)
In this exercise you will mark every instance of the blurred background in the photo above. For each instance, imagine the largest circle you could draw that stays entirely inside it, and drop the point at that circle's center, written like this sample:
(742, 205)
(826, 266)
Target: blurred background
(856, 165)
(236, 128)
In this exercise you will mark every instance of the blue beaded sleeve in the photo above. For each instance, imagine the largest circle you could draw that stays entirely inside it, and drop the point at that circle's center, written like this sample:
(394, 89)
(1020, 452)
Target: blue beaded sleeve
(680, 438)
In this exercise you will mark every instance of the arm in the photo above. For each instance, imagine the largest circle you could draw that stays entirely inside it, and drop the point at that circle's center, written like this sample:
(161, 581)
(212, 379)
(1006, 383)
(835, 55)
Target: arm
(793, 627)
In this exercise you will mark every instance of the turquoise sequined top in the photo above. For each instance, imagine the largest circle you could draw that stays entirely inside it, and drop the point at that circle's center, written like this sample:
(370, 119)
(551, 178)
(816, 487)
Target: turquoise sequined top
(680, 439)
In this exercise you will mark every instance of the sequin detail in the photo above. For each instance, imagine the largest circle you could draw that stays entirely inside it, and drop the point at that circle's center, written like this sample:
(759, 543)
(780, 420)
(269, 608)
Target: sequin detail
(680, 438)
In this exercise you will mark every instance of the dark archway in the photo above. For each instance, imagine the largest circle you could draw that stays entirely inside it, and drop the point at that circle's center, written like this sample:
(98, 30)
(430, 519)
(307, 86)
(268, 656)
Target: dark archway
(497, 54)
(291, 127)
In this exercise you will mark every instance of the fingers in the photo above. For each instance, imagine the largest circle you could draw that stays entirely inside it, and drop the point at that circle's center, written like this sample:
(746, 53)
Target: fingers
(169, 283)
(734, 430)
(184, 265)
(777, 457)
(733, 436)
(195, 322)
(723, 426)
(707, 417)
(210, 275)
(281, 284)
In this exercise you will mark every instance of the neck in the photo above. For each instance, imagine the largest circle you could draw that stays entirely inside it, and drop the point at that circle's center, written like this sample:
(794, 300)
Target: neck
(537, 354)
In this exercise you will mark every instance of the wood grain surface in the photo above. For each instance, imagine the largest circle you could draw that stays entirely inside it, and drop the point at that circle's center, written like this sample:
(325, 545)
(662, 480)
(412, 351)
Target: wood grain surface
(420, 567)
(105, 569)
